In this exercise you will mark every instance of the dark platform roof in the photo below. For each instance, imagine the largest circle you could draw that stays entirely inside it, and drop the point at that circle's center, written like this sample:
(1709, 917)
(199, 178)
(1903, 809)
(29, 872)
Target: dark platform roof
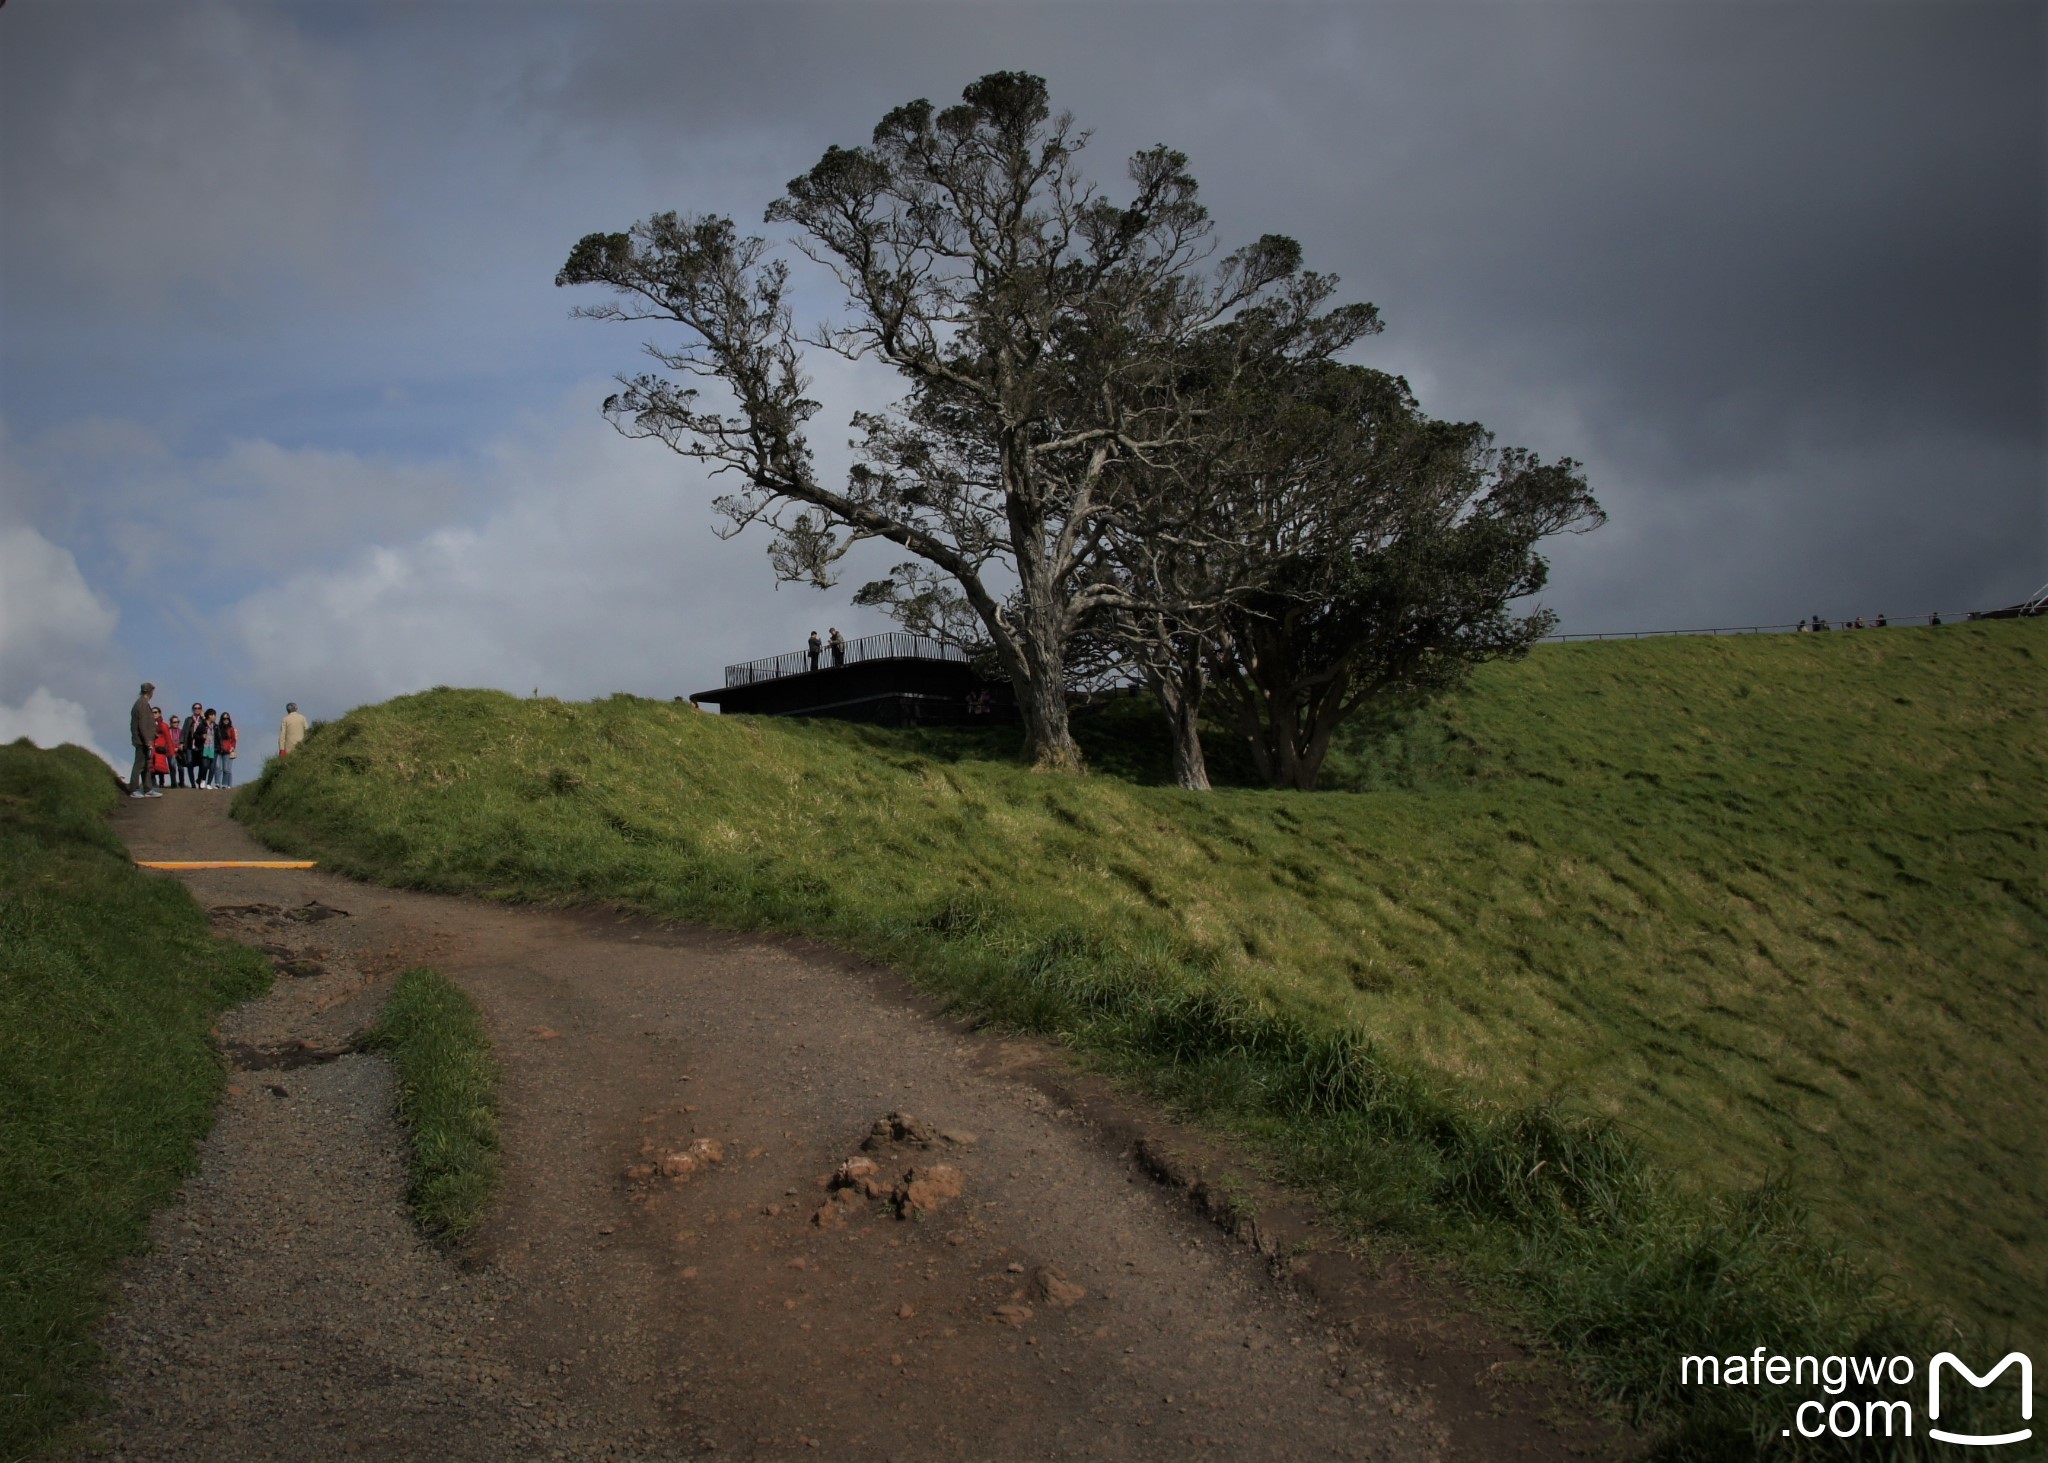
(892, 679)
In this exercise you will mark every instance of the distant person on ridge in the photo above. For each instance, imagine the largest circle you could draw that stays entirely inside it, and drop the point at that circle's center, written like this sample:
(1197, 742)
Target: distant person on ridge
(224, 753)
(1935, 618)
(838, 648)
(174, 749)
(192, 751)
(142, 733)
(1880, 620)
(1804, 628)
(209, 749)
(292, 731)
(164, 749)
(817, 648)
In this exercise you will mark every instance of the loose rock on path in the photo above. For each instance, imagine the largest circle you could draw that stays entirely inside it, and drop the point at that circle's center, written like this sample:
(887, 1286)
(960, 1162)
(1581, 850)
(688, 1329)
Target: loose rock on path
(759, 1202)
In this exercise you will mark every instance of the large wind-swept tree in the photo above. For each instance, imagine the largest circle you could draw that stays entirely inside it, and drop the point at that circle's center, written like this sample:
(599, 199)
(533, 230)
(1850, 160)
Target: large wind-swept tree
(1038, 327)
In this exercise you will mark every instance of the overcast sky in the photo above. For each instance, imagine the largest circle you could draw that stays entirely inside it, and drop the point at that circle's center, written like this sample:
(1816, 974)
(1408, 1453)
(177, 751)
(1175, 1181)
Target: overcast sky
(289, 406)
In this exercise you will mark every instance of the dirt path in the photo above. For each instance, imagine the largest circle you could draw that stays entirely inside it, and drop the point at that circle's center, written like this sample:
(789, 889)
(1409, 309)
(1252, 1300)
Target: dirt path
(1065, 1304)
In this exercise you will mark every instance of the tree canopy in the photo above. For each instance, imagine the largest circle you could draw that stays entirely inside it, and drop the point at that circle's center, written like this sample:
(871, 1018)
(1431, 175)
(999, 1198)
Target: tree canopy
(1041, 331)
(1114, 444)
(1381, 551)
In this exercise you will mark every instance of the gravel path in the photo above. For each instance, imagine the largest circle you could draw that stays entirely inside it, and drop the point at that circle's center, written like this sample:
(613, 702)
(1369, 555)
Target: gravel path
(287, 1307)
(1050, 1301)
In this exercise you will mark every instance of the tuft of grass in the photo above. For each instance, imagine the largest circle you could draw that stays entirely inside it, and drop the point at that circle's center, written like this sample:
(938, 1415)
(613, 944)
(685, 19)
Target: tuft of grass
(110, 981)
(447, 1099)
(1687, 990)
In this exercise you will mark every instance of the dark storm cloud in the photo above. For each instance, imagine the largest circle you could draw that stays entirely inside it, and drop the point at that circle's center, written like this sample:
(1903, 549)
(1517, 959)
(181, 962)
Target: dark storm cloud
(280, 344)
(1754, 263)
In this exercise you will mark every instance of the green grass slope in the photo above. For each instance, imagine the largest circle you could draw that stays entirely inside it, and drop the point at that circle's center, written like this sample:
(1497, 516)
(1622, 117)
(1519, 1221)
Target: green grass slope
(447, 1099)
(109, 983)
(1772, 908)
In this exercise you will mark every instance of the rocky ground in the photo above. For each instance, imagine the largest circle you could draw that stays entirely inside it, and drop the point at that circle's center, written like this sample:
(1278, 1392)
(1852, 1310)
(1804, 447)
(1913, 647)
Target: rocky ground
(760, 1201)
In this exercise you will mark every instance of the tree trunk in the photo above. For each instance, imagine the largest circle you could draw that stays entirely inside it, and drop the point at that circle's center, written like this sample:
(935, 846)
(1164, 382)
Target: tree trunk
(1328, 710)
(1178, 685)
(1048, 742)
(1042, 698)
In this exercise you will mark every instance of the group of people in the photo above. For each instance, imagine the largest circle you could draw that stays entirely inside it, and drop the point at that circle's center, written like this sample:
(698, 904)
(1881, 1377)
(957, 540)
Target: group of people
(1817, 623)
(837, 642)
(195, 751)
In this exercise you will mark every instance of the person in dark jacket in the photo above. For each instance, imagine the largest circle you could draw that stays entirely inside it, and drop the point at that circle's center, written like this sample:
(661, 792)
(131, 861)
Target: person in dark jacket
(142, 734)
(816, 648)
(209, 734)
(838, 643)
(191, 740)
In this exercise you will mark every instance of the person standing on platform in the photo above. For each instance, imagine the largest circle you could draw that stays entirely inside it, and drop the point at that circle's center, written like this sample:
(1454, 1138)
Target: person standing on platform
(816, 647)
(838, 643)
(292, 731)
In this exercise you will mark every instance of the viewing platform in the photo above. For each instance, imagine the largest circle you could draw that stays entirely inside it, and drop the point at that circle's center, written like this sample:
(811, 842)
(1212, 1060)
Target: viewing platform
(892, 679)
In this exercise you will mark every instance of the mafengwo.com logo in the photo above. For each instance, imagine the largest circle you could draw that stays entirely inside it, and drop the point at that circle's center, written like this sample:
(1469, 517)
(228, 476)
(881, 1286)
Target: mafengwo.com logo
(1888, 1395)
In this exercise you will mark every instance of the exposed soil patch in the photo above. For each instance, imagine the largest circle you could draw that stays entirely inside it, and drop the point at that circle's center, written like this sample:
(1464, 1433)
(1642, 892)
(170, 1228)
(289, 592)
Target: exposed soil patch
(760, 1200)
(246, 1056)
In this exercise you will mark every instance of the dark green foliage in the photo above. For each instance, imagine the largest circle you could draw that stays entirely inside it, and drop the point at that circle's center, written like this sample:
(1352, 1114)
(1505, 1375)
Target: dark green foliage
(109, 984)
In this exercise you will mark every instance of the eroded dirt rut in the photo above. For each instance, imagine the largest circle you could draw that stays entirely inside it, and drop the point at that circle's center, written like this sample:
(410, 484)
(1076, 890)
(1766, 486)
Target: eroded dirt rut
(1062, 1305)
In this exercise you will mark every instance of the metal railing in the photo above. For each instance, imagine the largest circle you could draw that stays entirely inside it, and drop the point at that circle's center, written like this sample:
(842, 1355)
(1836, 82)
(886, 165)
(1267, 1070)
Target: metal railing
(889, 645)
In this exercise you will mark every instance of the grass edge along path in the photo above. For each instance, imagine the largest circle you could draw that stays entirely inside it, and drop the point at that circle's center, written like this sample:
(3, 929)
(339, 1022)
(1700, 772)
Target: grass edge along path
(1623, 1262)
(447, 1100)
(110, 982)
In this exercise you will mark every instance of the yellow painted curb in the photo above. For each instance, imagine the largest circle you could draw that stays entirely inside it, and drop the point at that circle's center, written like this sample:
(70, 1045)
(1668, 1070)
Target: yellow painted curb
(224, 863)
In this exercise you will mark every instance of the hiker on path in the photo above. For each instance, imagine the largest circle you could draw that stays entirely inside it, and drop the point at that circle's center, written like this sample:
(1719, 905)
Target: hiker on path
(209, 751)
(816, 647)
(174, 751)
(192, 747)
(838, 642)
(163, 750)
(142, 733)
(292, 731)
(224, 753)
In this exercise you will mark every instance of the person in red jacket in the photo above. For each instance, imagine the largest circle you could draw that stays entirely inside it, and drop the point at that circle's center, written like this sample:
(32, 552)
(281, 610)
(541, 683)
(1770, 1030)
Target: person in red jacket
(165, 754)
(174, 748)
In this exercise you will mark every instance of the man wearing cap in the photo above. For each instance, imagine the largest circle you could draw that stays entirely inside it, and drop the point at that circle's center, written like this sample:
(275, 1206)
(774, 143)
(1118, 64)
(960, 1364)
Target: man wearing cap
(292, 732)
(142, 733)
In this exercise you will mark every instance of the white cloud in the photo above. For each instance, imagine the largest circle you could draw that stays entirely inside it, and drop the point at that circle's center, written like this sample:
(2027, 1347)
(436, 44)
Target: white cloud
(51, 721)
(597, 571)
(54, 627)
(56, 643)
(46, 607)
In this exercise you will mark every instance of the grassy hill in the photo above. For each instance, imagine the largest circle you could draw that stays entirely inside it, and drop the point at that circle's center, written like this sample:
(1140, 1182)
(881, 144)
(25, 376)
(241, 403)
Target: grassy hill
(1632, 940)
(109, 982)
